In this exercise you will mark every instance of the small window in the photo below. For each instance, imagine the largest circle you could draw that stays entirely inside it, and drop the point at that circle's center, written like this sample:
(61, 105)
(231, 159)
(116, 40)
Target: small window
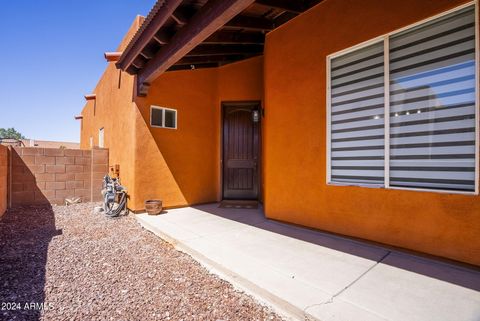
(101, 138)
(163, 117)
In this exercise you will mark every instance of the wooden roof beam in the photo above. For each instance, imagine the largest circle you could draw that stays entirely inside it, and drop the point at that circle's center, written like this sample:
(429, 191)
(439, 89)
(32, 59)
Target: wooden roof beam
(211, 17)
(166, 11)
(284, 17)
(251, 23)
(294, 6)
(139, 62)
(193, 66)
(235, 37)
(132, 70)
(162, 37)
(183, 14)
(215, 50)
(286, 5)
(208, 59)
(147, 53)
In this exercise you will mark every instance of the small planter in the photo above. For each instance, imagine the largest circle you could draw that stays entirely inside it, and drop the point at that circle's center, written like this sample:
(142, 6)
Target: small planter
(153, 207)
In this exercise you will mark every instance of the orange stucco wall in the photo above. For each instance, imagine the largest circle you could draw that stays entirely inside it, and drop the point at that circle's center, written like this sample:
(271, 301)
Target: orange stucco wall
(114, 110)
(182, 166)
(178, 165)
(3, 178)
(295, 138)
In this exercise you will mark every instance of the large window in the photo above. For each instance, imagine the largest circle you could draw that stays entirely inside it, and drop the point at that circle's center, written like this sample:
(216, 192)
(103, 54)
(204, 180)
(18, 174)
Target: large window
(403, 110)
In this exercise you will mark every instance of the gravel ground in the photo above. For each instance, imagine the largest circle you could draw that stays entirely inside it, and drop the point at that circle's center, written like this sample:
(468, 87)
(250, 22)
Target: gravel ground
(84, 266)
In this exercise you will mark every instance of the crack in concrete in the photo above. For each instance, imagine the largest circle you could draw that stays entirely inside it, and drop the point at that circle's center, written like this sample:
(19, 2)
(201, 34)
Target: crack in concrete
(330, 300)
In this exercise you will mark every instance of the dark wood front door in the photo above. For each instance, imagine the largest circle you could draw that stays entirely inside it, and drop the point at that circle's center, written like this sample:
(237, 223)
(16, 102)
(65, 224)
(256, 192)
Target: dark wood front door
(241, 122)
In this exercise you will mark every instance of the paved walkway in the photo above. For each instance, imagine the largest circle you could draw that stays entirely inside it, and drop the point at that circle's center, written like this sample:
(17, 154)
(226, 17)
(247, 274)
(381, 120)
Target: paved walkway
(314, 275)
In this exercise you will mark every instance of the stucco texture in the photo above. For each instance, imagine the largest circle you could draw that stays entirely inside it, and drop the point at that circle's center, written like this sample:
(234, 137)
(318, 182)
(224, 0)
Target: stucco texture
(182, 166)
(114, 110)
(179, 166)
(295, 138)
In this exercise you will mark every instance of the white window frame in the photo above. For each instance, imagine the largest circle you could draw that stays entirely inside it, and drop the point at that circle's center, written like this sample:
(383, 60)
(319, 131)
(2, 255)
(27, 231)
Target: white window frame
(385, 39)
(163, 117)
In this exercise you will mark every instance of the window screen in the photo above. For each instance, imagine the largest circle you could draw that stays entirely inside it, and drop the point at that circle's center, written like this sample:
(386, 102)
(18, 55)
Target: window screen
(432, 104)
(170, 120)
(157, 117)
(357, 116)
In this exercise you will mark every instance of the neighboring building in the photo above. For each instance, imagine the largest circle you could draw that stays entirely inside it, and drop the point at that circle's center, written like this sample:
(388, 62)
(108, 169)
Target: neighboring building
(285, 102)
(50, 144)
(39, 143)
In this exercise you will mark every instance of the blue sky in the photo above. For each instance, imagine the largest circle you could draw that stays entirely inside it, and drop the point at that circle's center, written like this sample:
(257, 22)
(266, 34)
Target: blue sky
(51, 54)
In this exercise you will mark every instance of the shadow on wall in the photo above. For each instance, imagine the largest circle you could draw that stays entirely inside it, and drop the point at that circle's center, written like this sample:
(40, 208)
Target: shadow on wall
(467, 277)
(25, 233)
(189, 152)
(49, 175)
(166, 186)
(188, 173)
(26, 181)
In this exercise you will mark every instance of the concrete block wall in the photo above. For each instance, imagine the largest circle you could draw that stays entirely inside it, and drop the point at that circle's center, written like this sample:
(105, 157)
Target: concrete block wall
(3, 178)
(50, 175)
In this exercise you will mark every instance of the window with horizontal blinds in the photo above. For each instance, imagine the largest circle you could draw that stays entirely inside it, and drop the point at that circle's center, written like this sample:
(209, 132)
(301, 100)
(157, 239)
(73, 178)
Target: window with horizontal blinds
(432, 104)
(431, 108)
(357, 116)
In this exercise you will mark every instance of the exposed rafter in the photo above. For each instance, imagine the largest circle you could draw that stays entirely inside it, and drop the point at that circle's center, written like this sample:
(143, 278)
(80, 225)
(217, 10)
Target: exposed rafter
(215, 50)
(251, 23)
(165, 10)
(284, 17)
(182, 15)
(208, 59)
(148, 53)
(194, 66)
(191, 34)
(295, 6)
(213, 15)
(162, 37)
(235, 37)
(139, 62)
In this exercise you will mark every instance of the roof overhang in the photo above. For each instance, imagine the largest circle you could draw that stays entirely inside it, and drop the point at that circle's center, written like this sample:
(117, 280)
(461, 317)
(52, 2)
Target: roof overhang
(192, 34)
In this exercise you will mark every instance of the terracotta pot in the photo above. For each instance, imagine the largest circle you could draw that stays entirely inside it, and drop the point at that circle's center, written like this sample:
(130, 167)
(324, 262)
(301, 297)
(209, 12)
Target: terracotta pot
(153, 207)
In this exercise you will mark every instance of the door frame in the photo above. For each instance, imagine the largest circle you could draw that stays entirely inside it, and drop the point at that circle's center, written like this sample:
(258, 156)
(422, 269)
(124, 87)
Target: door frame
(242, 103)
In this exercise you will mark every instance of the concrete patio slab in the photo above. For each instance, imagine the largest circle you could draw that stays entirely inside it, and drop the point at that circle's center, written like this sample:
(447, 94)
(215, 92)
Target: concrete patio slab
(397, 290)
(304, 273)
